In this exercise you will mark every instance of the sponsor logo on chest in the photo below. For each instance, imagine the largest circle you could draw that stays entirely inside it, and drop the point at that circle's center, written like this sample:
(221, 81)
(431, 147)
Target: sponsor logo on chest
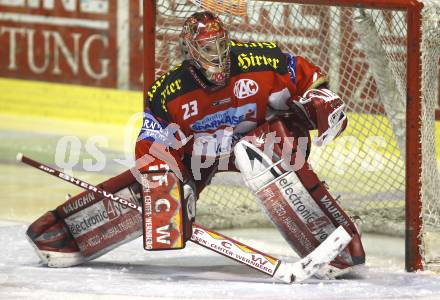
(229, 117)
(244, 88)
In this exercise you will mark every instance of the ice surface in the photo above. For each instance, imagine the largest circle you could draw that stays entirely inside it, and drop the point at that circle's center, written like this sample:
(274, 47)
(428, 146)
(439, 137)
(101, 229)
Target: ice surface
(129, 272)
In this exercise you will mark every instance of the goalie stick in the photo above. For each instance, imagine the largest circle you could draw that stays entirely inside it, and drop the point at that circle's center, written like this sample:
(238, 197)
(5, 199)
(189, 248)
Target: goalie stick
(255, 259)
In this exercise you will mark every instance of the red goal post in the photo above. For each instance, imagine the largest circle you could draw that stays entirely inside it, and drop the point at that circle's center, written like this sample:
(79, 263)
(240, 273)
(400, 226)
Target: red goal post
(155, 33)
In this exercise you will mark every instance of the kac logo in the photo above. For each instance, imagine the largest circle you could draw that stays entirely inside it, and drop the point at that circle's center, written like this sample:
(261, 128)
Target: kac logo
(245, 88)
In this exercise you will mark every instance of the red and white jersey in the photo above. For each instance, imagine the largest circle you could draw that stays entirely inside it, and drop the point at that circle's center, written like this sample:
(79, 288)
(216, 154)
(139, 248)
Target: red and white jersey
(262, 79)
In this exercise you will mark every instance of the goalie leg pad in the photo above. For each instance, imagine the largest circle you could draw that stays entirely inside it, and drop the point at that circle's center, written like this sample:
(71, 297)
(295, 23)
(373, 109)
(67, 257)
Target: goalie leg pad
(289, 206)
(53, 242)
(296, 201)
(337, 215)
(88, 225)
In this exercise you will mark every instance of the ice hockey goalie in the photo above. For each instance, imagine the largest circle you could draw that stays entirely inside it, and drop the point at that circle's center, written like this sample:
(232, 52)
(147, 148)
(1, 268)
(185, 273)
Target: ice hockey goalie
(229, 106)
(248, 107)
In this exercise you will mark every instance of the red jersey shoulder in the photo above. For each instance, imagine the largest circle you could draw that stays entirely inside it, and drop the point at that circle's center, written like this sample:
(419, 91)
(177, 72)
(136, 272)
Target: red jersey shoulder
(255, 57)
(305, 74)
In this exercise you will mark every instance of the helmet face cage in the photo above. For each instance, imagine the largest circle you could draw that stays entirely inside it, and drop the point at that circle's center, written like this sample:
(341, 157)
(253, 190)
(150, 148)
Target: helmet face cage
(205, 42)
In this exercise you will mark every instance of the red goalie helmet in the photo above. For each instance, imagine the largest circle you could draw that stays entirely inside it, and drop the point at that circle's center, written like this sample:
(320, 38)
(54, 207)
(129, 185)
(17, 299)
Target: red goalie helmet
(204, 41)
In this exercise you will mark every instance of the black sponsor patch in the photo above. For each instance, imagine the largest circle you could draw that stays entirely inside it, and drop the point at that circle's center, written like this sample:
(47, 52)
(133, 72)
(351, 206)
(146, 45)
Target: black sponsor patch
(257, 57)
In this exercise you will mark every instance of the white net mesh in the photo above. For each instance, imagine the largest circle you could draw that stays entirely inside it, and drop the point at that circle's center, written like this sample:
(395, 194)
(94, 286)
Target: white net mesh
(364, 53)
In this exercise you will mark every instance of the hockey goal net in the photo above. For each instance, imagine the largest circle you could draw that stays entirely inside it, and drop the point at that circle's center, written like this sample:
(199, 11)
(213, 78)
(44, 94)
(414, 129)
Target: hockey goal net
(382, 57)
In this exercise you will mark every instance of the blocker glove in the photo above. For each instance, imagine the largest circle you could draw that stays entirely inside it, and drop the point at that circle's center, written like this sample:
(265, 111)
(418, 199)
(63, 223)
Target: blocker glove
(325, 112)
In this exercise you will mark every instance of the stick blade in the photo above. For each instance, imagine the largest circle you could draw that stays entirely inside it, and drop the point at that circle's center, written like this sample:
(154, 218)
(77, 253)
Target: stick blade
(316, 260)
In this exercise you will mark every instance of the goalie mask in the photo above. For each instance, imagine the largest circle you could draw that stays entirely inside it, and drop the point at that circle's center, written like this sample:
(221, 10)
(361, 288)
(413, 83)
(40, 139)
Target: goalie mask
(204, 41)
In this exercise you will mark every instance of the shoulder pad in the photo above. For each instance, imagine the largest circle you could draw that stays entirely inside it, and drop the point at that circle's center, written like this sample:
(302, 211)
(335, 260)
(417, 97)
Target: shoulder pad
(257, 56)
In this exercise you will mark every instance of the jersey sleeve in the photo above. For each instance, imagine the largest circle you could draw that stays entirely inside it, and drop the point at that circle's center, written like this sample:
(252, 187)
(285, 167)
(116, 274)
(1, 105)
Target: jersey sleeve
(160, 141)
(300, 76)
(159, 145)
(304, 74)
(314, 104)
(156, 103)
